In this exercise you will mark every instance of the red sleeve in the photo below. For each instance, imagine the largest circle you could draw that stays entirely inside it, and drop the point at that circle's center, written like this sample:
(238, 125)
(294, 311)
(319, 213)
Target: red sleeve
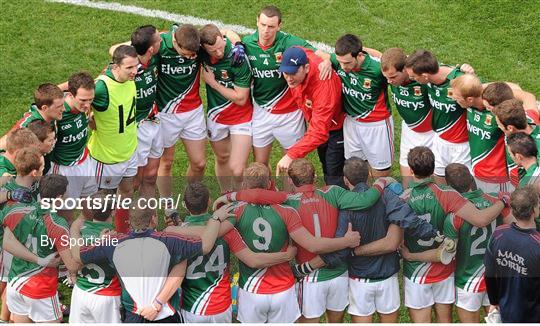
(58, 233)
(261, 196)
(12, 219)
(18, 124)
(234, 240)
(326, 100)
(290, 217)
(451, 201)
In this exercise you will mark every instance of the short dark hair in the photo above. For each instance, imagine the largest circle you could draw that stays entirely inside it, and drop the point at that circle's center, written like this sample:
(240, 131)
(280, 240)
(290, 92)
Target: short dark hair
(521, 143)
(122, 52)
(511, 112)
(142, 37)
(421, 160)
(459, 177)
(52, 186)
(41, 129)
(356, 170)
(80, 80)
(107, 206)
(497, 92)
(46, 93)
(196, 197)
(301, 172)
(271, 11)
(348, 43)
(423, 62)
(187, 37)
(523, 201)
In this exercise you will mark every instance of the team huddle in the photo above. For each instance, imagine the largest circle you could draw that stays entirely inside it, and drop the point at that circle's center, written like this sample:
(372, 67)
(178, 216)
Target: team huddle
(462, 226)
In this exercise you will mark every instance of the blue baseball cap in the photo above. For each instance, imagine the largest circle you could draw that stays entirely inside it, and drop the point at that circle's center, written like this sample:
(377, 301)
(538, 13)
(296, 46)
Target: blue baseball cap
(292, 59)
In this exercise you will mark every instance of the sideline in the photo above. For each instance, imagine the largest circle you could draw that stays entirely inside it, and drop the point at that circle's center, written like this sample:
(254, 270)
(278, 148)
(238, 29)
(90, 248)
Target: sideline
(114, 6)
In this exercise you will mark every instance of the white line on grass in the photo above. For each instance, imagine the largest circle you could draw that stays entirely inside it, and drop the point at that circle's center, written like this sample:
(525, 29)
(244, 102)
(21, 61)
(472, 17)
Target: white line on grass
(114, 6)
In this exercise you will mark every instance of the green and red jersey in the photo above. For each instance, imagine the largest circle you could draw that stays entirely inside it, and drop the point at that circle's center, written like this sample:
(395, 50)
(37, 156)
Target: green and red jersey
(221, 109)
(449, 119)
(266, 229)
(179, 78)
(33, 114)
(270, 90)
(431, 203)
(206, 290)
(471, 243)
(486, 142)
(98, 278)
(365, 92)
(530, 176)
(6, 167)
(146, 82)
(412, 103)
(43, 233)
(71, 138)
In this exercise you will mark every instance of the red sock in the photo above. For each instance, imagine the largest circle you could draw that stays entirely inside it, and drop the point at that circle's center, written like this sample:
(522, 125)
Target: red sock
(121, 220)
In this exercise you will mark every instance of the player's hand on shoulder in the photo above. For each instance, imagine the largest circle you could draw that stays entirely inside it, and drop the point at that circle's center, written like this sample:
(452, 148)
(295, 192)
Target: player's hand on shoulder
(353, 237)
(325, 70)
(466, 68)
(238, 54)
(209, 77)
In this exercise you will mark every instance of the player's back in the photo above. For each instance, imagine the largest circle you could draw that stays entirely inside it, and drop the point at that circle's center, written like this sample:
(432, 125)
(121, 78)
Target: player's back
(266, 229)
(100, 277)
(472, 243)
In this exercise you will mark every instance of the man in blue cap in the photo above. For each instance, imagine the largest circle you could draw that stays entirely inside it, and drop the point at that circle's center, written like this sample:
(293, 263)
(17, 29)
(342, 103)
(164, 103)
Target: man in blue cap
(320, 101)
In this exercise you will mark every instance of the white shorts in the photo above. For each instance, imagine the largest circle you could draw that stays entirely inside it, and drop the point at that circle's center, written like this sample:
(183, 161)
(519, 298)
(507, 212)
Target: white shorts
(489, 187)
(411, 139)
(471, 301)
(149, 141)
(189, 125)
(371, 141)
(419, 296)
(221, 318)
(218, 131)
(317, 297)
(109, 176)
(5, 266)
(81, 178)
(367, 297)
(279, 307)
(88, 308)
(287, 128)
(446, 152)
(39, 310)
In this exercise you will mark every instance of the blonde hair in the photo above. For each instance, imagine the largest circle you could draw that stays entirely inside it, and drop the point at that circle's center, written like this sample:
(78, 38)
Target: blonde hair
(256, 175)
(468, 85)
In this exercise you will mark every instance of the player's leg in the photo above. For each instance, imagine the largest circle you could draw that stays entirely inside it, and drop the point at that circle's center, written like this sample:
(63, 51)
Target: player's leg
(418, 300)
(377, 143)
(406, 144)
(196, 151)
(147, 188)
(241, 141)
(336, 300)
(361, 301)
(263, 137)
(252, 307)
(387, 299)
(331, 155)
(262, 154)
(441, 159)
(4, 314)
(222, 151)
(444, 296)
(312, 299)
(164, 180)
(468, 305)
(284, 307)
